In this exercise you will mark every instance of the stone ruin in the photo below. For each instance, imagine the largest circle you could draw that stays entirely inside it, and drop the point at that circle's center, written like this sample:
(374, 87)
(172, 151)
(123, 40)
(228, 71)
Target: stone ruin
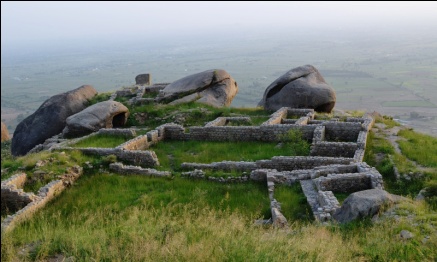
(335, 163)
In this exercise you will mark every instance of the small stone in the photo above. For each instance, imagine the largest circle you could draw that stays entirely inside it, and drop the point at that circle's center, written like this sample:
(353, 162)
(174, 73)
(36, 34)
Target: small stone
(405, 234)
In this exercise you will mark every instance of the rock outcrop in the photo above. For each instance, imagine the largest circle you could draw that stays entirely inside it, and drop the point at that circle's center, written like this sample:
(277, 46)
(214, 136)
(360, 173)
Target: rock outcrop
(49, 119)
(5, 133)
(143, 79)
(301, 87)
(105, 114)
(212, 87)
(362, 204)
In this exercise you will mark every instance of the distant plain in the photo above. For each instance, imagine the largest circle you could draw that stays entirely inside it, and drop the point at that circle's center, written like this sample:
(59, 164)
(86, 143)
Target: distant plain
(393, 74)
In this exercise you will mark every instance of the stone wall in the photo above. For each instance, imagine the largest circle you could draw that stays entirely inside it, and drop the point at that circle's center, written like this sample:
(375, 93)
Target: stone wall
(319, 134)
(284, 163)
(343, 183)
(334, 149)
(280, 163)
(271, 133)
(137, 157)
(276, 117)
(127, 132)
(138, 143)
(44, 195)
(119, 168)
(328, 204)
(300, 112)
(13, 197)
(342, 131)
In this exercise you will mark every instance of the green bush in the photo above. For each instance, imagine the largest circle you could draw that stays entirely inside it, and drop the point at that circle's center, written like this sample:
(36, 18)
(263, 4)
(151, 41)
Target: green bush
(294, 141)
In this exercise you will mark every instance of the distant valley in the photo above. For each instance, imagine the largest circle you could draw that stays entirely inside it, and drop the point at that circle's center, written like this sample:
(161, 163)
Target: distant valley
(394, 75)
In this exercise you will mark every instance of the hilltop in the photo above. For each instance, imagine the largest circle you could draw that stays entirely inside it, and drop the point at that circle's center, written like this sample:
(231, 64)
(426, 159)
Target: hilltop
(105, 215)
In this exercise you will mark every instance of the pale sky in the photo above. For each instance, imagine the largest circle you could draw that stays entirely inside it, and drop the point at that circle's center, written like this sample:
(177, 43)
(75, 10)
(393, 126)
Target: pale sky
(39, 22)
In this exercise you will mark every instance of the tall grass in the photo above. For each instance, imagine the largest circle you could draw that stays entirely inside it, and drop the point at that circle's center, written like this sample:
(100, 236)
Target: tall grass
(113, 218)
(294, 205)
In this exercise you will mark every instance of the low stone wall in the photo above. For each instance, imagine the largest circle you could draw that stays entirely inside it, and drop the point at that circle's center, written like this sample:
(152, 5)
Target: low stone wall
(342, 131)
(334, 149)
(137, 157)
(138, 143)
(343, 183)
(219, 121)
(328, 204)
(289, 121)
(319, 134)
(13, 197)
(45, 194)
(291, 177)
(375, 177)
(359, 155)
(119, 168)
(127, 132)
(362, 139)
(333, 169)
(279, 163)
(271, 133)
(300, 112)
(284, 163)
(224, 165)
(276, 117)
(199, 174)
(302, 121)
(222, 121)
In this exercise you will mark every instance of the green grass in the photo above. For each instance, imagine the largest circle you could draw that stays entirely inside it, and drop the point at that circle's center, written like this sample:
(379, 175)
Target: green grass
(194, 114)
(102, 141)
(107, 217)
(419, 147)
(9, 163)
(388, 121)
(150, 94)
(174, 153)
(258, 120)
(341, 197)
(294, 205)
(101, 97)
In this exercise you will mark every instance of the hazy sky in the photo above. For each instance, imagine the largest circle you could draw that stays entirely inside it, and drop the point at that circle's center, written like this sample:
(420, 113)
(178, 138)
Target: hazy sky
(39, 22)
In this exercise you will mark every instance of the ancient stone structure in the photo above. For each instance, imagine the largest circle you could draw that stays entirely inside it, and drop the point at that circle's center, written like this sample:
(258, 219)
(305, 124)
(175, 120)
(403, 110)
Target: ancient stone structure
(28, 203)
(334, 164)
(301, 87)
(49, 119)
(143, 79)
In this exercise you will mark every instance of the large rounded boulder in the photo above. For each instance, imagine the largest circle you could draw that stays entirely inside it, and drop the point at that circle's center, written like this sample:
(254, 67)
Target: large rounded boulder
(49, 119)
(362, 204)
(301, 87)
(107, 114)
(213, 87)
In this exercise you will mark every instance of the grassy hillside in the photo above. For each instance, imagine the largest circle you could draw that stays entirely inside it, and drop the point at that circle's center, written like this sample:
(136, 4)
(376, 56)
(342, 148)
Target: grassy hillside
(109, 217)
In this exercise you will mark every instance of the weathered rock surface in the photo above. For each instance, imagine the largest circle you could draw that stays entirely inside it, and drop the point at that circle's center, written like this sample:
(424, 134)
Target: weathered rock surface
(105, 114)
(143, 79)
(301, 87)
(213, 87)
(49, 119)
(5, 133)
(366, 203)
